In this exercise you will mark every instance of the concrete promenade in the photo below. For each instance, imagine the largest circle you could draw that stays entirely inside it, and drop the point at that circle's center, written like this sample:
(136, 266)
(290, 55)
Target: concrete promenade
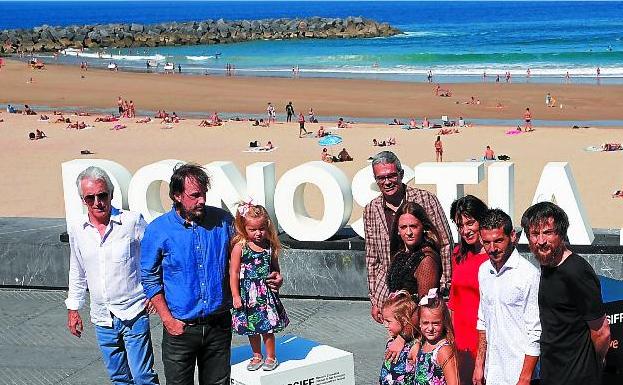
(36, 347)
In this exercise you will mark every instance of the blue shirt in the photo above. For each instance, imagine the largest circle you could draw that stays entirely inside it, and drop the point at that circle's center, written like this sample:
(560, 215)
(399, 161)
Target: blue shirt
(188, 262)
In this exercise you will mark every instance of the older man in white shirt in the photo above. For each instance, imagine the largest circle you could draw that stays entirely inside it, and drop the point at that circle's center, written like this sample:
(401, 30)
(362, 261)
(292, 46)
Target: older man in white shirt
(105, 257)
(508, 316)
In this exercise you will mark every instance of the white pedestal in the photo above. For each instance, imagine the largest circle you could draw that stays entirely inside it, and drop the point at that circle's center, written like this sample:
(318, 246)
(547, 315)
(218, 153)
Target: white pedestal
(302, 362)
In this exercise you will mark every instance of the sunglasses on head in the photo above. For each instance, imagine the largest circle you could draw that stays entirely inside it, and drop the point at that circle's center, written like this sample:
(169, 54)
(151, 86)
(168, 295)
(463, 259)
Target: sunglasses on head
(90, 199)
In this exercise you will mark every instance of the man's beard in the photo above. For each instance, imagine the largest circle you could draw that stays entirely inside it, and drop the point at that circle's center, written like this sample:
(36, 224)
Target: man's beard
(194, 216)
(552, 259)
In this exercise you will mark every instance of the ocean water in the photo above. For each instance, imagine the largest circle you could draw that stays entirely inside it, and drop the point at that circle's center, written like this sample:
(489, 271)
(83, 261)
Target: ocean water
(457, 41)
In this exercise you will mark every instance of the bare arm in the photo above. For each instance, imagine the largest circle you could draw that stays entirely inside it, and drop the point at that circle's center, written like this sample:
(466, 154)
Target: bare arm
(275, 279)
(427, 275)
(529, 363)
(234, 275)
(447, 360)
(600, 335)
(479, 367)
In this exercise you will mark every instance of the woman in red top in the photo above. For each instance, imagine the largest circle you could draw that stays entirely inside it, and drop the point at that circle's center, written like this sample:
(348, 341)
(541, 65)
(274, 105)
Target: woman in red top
(467, 257)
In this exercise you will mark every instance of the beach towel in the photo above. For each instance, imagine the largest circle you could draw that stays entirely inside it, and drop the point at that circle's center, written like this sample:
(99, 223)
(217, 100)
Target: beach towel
(260, 149)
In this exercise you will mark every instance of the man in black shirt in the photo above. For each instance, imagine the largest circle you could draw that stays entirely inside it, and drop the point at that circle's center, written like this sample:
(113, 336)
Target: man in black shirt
(575, 332)
(289, 112)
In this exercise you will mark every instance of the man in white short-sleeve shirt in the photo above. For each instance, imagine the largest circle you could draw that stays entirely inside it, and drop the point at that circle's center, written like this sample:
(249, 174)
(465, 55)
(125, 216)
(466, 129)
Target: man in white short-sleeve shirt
(508, 324)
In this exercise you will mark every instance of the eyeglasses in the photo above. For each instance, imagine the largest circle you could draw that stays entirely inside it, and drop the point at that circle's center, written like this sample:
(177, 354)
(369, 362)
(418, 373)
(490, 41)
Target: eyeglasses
(90, 199)
(390, 177)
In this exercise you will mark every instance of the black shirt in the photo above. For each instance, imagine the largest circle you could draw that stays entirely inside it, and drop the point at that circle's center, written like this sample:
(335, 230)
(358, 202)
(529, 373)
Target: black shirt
(569, 297)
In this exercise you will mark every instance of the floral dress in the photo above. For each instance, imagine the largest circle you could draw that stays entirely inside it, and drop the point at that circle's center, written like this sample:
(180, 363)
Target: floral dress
(262, 312)
(400, 373)
(428, 371)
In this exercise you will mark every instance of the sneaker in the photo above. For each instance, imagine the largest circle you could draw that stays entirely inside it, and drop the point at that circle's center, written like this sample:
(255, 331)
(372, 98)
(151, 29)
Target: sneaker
(255, 363)
(270, 364)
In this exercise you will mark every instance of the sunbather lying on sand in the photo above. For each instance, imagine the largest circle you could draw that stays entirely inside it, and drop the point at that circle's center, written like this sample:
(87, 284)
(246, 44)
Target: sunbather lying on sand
(146, 119)
(396, 122)
(442, 91)
(107, 118)
(612, 146)
(448, 131)
(44, 117)
(77, 126)
(381, 143)
(118, 127)
(618, 194)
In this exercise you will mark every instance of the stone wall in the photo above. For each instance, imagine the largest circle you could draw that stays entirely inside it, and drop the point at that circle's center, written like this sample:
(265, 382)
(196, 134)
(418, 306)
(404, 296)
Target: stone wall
(47, 38)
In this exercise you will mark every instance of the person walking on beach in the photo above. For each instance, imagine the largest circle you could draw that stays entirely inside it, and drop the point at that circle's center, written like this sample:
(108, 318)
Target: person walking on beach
(270, 112)
(289, 111)
(438, 150)
(576, 332)
(312, 118)
(302, 125)
(104, 256)
(527, 117)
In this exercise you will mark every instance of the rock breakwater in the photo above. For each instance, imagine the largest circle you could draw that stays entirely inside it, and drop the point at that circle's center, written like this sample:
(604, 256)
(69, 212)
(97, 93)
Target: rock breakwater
(48, 38)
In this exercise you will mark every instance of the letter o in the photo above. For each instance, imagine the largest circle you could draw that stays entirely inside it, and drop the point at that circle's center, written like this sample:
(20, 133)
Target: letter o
(144, 190)
(290, 206)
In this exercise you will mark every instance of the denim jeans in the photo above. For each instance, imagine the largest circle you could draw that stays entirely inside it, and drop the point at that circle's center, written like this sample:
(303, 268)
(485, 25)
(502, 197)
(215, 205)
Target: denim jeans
(207, 344)
(127, 351)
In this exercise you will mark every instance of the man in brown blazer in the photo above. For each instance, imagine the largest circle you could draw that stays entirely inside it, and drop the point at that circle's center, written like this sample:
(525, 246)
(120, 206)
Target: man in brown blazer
(378, 218)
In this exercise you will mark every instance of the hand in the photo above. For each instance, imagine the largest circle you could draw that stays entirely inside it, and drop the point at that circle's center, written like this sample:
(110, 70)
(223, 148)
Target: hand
(174, 326)
(375, 312)
(274, 281)
(74, 323)
(394, 349)
(479, 377)
(149, 307)
(237, 302)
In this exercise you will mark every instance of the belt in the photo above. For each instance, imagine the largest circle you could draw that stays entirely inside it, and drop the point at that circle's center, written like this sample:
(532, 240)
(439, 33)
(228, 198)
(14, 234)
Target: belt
(207, 319)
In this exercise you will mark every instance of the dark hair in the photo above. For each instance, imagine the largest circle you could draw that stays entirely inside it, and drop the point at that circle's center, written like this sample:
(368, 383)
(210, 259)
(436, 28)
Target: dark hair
(539, 213)
(470, 206)
(495, 219)
(431, 235)
(182, 171)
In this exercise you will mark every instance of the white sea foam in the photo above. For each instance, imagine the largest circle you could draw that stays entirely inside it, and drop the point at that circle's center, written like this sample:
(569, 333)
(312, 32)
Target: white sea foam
(199, 58)
(108, 56)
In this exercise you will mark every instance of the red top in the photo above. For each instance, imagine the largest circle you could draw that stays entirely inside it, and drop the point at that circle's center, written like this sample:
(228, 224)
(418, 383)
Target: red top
(464, 299)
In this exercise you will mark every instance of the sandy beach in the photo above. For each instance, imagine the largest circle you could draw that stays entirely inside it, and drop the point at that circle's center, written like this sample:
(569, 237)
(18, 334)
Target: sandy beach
(32, 175)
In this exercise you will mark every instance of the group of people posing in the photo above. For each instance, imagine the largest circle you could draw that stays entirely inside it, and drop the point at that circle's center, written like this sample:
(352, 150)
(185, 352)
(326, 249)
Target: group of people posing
(503, 315)
(206, 274)
(203, 271)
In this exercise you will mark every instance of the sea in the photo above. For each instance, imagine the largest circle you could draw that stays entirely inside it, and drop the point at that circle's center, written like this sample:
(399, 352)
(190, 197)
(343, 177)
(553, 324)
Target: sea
(467, 41)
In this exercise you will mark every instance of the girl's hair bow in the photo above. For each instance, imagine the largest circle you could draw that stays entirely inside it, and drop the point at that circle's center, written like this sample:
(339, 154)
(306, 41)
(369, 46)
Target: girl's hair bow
(245, 206)
(429, 298)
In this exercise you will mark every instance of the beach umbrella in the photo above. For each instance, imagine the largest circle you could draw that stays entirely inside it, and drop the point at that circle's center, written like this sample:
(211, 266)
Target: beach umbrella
(330, 140)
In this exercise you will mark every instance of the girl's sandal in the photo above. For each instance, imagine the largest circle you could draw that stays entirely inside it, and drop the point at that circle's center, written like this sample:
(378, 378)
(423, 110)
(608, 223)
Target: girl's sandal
(270, 364)
(255, 363)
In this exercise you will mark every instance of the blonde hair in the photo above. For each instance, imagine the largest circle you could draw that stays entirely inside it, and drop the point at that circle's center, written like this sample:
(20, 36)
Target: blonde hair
(403, 307)
(255, 211)
(437, 303)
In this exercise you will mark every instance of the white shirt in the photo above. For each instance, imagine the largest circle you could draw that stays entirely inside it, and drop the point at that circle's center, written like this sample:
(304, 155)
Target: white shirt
(509, 315)
(109, 266)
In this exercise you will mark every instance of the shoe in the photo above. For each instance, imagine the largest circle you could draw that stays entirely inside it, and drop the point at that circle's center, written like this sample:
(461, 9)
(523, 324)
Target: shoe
(270, 364)
(255, 363)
